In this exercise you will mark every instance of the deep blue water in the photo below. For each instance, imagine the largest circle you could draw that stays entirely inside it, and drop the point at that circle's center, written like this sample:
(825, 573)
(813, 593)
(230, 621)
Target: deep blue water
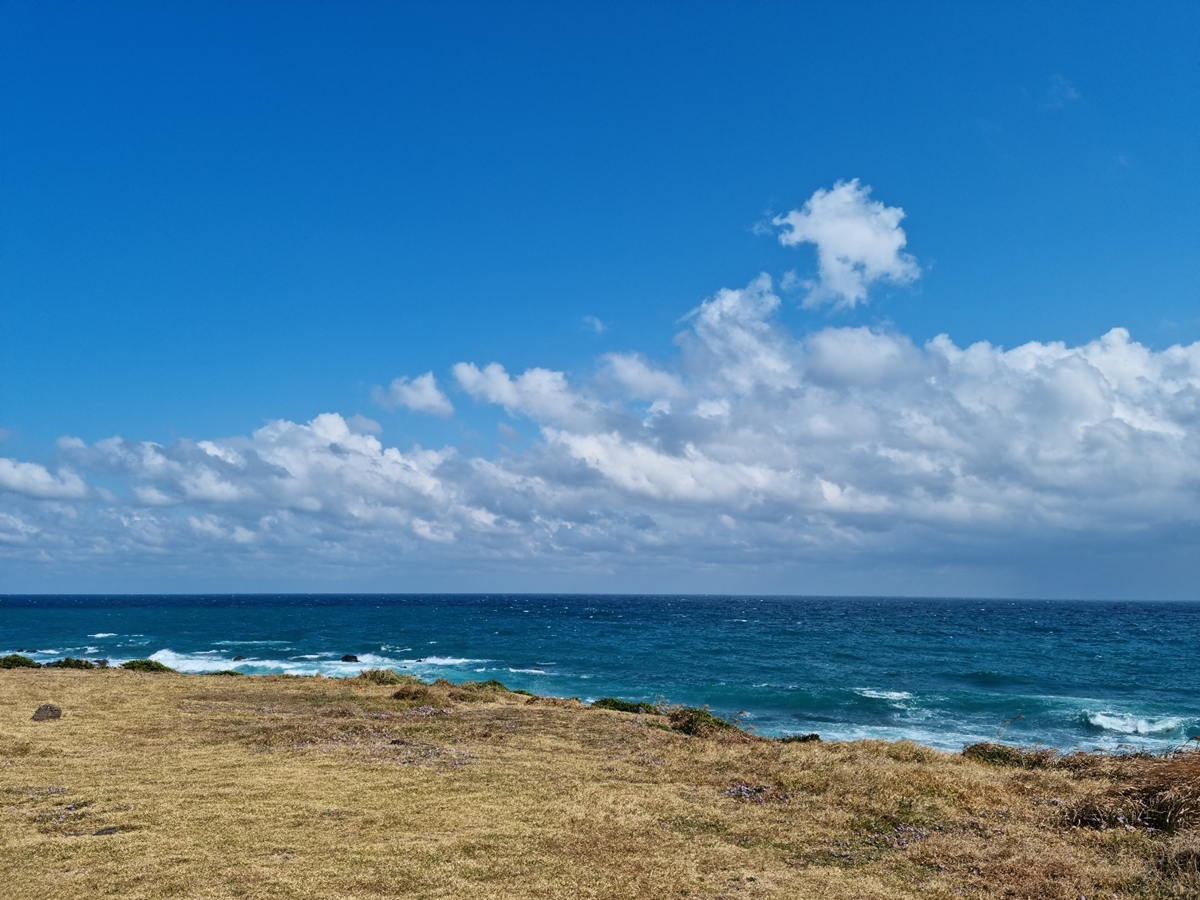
(943, 672)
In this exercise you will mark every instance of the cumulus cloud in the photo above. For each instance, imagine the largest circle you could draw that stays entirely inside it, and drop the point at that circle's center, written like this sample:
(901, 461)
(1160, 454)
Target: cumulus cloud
(859, 242)
(33, 480)
(420, 394)
(752, 449)
(540, 394)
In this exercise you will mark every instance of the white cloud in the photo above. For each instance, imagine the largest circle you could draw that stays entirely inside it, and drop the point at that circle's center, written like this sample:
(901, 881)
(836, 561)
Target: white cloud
(859, 242)
(850, 450)
(33, 480)
(595, 324)
(639, 380)
(420, 394)
(541, 394)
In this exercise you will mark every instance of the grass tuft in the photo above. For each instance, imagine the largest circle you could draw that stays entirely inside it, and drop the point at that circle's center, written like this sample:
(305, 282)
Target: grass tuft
(1015, 757)
(382, 676)
(1163, 796)
(626, 706)
(490, 685)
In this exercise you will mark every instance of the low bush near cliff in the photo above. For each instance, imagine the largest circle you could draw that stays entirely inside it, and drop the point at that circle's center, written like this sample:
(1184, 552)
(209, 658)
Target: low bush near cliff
(17, 661)
(70, 662)
(698, 721)
(146, 665)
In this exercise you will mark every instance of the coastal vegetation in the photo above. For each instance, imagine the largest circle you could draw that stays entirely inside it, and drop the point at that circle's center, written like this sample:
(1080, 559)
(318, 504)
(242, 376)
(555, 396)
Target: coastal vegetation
(383, 785)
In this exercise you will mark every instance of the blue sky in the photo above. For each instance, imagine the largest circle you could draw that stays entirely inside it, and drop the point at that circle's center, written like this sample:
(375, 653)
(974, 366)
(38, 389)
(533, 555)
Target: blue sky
(222, 216)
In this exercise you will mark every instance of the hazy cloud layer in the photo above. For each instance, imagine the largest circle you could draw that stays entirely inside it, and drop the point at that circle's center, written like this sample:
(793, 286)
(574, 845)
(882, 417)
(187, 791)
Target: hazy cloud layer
(844, 448)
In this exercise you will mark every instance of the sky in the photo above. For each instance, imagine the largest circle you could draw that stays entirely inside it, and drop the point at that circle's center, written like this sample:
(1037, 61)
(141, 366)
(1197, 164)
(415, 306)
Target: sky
(853, 298)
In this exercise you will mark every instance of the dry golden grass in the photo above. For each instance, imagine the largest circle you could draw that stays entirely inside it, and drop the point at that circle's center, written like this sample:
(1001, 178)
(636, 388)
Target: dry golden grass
(201, 786)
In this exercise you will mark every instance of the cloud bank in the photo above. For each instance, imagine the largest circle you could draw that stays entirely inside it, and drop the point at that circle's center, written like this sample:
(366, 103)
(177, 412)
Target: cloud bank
(751, 458)
(754, 448)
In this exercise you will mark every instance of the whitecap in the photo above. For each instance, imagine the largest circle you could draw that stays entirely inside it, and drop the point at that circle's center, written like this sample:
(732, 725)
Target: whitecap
(448, 661)
(529, 671)
(1123, 723)
(103, 634)
(883, 695)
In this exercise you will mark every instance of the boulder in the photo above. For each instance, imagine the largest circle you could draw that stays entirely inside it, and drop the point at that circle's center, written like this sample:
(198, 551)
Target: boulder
(349, 658)
(47, 711)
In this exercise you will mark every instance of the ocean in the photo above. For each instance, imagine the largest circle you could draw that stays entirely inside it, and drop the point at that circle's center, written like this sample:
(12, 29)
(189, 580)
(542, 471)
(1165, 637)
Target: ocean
(946, 673)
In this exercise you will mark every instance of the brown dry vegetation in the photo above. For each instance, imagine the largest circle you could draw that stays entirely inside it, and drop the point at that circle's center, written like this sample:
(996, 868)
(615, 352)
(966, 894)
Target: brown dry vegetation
(197, 786)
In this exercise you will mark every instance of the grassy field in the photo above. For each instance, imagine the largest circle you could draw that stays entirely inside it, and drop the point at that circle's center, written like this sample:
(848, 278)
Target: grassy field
(162, 785)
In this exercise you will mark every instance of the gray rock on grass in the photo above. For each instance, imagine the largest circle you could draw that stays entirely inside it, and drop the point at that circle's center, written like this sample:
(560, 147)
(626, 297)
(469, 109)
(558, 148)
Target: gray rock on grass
(47, 711)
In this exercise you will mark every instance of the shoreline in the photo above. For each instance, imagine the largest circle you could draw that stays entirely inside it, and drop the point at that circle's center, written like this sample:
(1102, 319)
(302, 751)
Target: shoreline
(740, 721)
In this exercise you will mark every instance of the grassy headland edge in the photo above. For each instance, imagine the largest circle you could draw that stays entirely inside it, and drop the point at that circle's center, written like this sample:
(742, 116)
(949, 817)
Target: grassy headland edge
(152, 783)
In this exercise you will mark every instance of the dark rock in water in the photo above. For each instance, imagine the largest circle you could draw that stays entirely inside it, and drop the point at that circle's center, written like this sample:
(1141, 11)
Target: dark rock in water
(238, 658)
(349, 658)
(46, 712)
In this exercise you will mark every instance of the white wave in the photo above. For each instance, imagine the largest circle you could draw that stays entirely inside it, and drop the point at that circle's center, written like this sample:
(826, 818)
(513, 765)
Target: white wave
(883, 695)
(529, 671)
(1127, 724)
(103, 634)
(447, 661)
(192, 663)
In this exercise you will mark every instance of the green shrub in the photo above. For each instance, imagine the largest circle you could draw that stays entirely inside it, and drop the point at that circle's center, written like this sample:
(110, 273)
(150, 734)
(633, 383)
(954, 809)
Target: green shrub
(522, 692)
(697, 721)
(70, 662)
(17, 661)
(224, 672)
(382, 676)
(624, 705)
(145, 665)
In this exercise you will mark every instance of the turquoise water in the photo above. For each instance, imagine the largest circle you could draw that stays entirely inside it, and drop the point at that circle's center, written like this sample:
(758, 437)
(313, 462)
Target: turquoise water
(942, 672)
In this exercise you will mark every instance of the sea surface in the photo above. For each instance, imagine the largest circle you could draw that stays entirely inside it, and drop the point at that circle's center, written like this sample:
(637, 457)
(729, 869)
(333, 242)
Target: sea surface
(1080, 674)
